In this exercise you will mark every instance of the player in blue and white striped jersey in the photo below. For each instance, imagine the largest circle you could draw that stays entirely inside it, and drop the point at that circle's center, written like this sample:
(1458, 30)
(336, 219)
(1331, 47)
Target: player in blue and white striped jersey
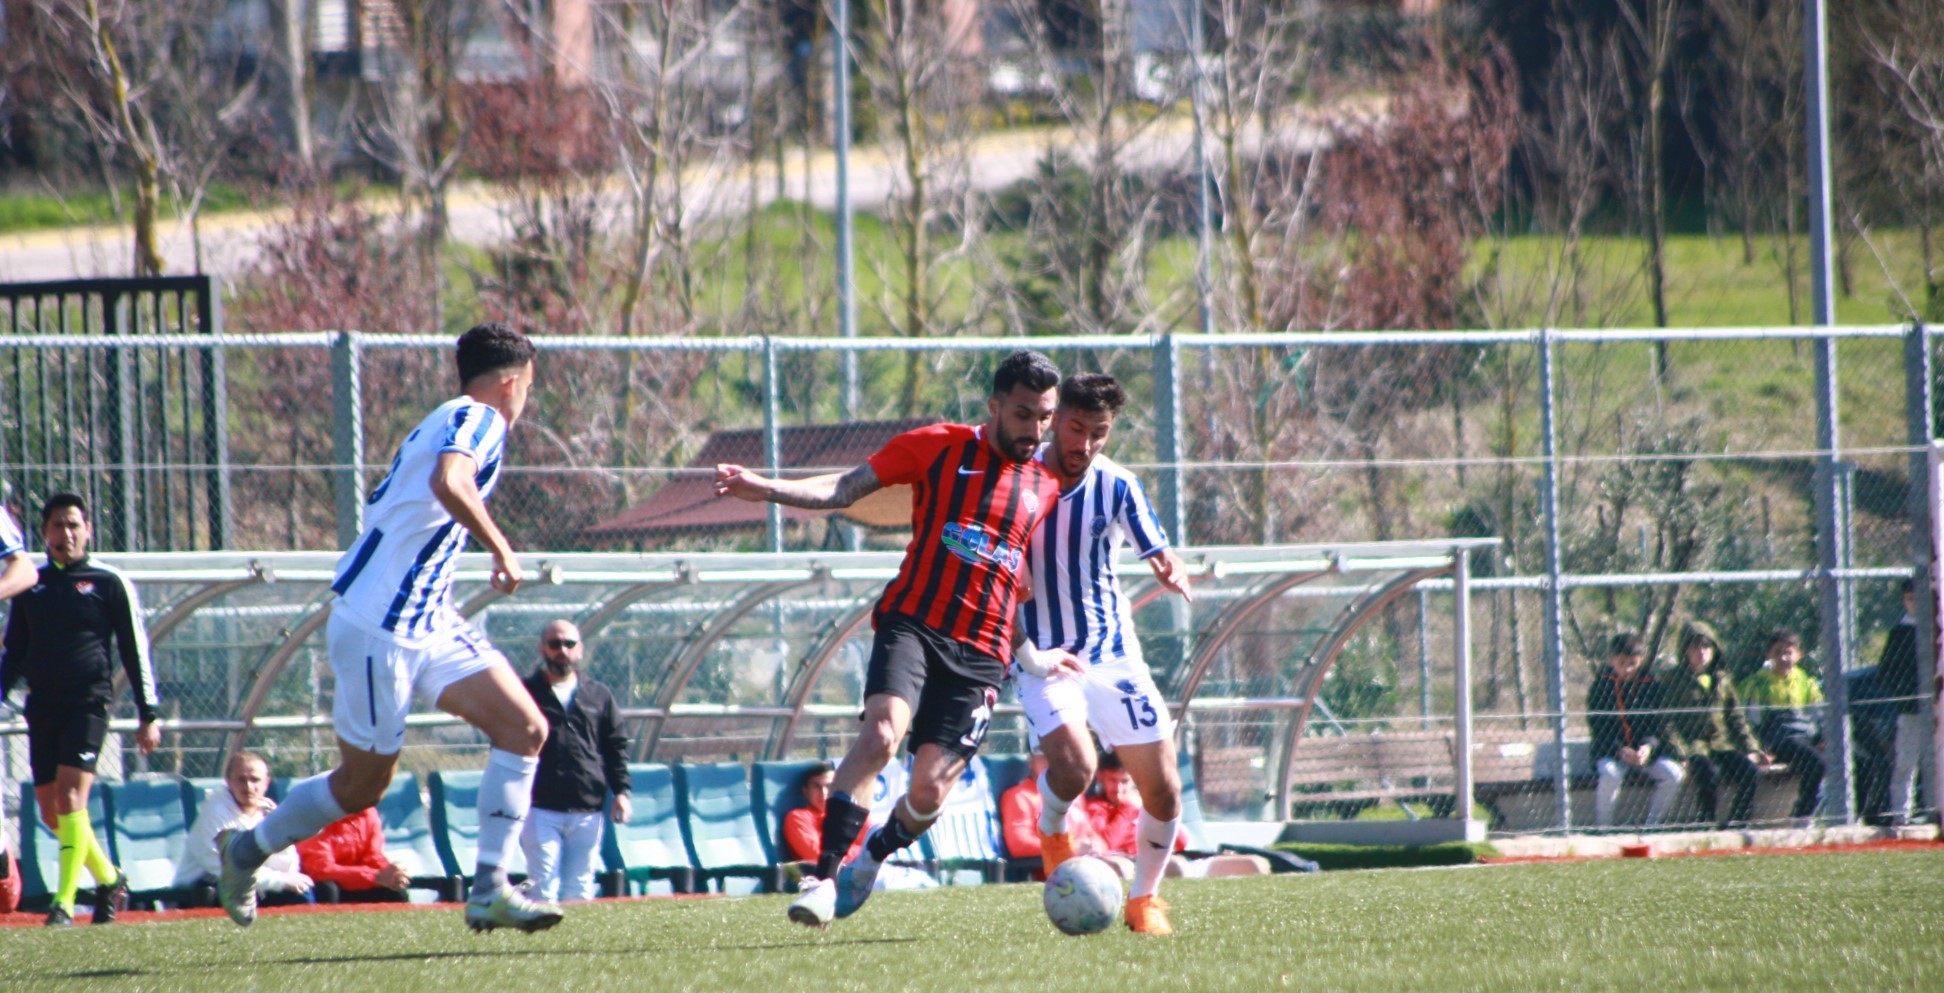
(19, 574)
(1078, 606)
(393, 631)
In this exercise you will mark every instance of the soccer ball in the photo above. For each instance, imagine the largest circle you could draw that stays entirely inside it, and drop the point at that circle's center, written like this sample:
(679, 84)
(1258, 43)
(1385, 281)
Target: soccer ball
(1083, 896)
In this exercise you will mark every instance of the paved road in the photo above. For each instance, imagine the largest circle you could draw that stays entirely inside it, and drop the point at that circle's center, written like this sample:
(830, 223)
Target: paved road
(230, 241)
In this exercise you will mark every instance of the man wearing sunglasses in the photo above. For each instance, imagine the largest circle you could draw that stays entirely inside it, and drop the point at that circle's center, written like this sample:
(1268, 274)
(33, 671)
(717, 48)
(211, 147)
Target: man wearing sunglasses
(585, 758)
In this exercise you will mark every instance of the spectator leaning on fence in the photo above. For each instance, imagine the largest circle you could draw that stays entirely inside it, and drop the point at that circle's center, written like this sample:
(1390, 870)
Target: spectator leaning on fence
(1623, 712)
(1705, 725)
(1897, 679)
(1783, 704)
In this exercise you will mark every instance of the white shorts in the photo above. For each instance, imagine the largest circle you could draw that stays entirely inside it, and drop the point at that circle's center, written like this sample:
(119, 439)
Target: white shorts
(1117, 698)
(376, 677)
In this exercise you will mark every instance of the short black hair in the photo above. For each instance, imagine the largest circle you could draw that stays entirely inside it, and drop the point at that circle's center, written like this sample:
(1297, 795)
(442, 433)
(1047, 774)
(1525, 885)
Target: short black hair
(1782, 636)
(814, 771)
(1110, 760)
(1025, 368)
(490, 347)
(1627, 643)
(61, 501)
(1094, 392)
(1908, 585)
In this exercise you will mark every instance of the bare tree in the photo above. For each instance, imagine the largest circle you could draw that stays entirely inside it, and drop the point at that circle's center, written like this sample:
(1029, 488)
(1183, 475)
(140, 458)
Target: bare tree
(414, 125)
(164, 103)
(1904, 61)
(1652, 29)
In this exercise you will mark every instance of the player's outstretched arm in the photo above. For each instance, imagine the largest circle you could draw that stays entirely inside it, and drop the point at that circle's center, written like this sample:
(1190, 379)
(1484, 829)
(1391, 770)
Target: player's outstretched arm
(19, 576)
(453, 486)
(1171, 573)
(830, 492)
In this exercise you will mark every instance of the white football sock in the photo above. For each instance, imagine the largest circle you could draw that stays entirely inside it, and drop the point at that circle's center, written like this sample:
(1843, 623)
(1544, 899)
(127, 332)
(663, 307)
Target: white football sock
(1155, 839)
(505, 796)
(307, 809)
(1053, 810)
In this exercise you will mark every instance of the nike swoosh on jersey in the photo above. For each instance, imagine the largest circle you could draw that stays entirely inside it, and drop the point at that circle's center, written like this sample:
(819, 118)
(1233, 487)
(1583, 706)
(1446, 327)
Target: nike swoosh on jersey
(971, 472)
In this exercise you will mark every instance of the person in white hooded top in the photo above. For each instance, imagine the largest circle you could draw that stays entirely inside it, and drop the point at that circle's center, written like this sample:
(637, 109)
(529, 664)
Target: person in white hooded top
(239, 803)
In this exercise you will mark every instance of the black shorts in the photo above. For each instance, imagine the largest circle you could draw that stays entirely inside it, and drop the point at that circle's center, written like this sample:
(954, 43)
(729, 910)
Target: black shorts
(950, 685)
(69, 736)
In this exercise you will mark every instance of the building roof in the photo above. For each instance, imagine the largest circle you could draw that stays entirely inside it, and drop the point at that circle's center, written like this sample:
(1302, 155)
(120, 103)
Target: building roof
(687, 505)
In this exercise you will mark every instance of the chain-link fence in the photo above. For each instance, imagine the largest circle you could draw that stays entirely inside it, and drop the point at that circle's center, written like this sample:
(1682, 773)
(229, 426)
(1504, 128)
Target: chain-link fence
(1754, 479)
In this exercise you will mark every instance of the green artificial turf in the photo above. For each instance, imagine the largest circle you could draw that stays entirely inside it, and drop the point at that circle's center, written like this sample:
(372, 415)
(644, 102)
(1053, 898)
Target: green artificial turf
(1769, 923)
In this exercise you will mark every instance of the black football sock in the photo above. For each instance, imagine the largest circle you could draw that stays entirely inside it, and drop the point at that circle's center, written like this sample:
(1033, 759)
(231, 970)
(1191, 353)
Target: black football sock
(842, 821)
(889, 839)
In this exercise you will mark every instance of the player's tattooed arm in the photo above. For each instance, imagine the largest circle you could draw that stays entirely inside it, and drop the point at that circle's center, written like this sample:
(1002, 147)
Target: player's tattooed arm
(830, 492)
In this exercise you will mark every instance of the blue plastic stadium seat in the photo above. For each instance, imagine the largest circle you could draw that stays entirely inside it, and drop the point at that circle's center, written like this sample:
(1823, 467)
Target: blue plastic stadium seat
(778, 789)
(455, 824)
(147, 831)
(649, 847)
(719, 825)
(193, 791)
(1003, 772)
(40, 851)
(408, 837)
(965, 837)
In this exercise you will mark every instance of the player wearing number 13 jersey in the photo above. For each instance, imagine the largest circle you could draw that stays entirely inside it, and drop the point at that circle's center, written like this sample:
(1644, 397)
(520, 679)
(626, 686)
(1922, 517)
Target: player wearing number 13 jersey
(944, 625)
(1078, 605)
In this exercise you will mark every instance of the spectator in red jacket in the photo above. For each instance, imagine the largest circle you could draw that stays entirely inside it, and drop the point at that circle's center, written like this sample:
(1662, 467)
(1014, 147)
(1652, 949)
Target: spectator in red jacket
(1019, 810)
(1113, 810)
(803, 834)
(803, 827)
(347, 861)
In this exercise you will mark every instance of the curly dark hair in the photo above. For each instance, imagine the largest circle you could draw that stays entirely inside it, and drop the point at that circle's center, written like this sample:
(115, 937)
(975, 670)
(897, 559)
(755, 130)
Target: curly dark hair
(1094, 392)
(490, 347)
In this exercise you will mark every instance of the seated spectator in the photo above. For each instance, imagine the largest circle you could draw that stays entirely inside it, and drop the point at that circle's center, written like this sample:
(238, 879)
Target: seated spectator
(803, 834)
(1705, 725)
(1019, 810)
(1623, 714)
(238, 804)
(1782, 705)
(1113, 809)
(348, 862)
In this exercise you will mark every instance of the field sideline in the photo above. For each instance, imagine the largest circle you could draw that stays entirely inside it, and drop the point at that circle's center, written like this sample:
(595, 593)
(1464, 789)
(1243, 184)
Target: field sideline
(1795, 922)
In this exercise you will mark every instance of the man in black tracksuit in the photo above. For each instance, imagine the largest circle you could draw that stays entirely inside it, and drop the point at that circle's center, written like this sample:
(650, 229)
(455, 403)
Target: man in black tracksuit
(58, 642)
(585, 758)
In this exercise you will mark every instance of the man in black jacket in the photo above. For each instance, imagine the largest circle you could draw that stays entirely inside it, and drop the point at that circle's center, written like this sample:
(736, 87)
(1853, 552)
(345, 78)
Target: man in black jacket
(585, 758)
(1624, 716)
(63, 639)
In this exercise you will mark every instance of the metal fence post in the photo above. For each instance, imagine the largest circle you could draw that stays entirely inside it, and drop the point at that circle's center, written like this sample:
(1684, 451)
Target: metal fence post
(124, 384)
(1461, 669)
(772, 436)
(347, 437)
(1830, 541)
(1919, 414)
(1555, 595)
(1829, 536)
(1167, 437)
(215, 370)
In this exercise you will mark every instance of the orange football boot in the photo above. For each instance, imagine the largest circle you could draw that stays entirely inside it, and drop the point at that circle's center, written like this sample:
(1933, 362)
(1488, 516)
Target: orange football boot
(1148, 915)
(1055, 849)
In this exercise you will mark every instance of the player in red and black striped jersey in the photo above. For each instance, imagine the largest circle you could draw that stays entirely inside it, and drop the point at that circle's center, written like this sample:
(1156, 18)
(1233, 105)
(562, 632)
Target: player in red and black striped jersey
(945, 624)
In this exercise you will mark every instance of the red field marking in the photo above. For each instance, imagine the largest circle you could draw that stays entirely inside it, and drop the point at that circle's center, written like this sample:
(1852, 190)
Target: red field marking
(1882, 845)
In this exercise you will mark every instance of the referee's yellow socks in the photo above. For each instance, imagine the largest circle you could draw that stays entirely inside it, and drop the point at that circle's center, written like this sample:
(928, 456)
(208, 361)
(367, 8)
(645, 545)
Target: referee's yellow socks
(78, 848)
